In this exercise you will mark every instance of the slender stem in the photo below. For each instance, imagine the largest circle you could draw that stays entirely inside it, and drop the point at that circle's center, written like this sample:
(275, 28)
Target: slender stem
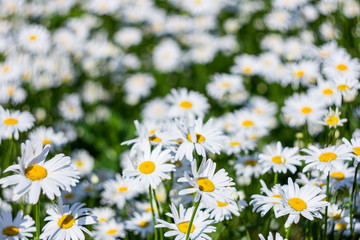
(326, 208)
(38, 217)
(159, 212)
(243, 222)
(288, 230)
(352, 202)
(153, 213)
(276, 178)
(192, 218)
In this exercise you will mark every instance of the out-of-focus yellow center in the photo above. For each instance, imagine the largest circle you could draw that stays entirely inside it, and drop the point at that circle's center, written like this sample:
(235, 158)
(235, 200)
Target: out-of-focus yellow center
(122, 189)
(235, 143)
(297, 204)
(356, 150)
(32, 37)
(199, 138)
(248, 123)
(222, 204)
(337, 175)
(10, 121)
(327, 157)
(306, 110)
(154, 139)
(299, 74)
(247, 70)
(5, 69)
(35, 172)
(340, 226)
(332, 121)
(225, 85)
(66, 221)
(184, 226)
(186, 104)
(278, 159)
(343, 87)
(205, 185)
(147, 167)
(328, 91)
(11, 90)
(250, 162)
(46, 141)
(111, 232)
(10, 231)
(144, 224)
(342, 67)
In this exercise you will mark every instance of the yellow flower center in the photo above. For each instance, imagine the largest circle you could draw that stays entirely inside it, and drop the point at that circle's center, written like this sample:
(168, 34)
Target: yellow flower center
(343, 87)
(222, 204)
(11, 90)
(258, 110)
(5, 69)
(10, 121)
(66, 221)
(184, 226)
(79, 163)
(35, 172)
(154, 139)
(235, 143)
(337, 175)
(205, 185)
(33, 37)
(341, 226)
(336, 216)
(147, 167)
(278, 159)
(111, 231)
(247, 70)
(225, 85)
(186, 104)
(328, 91)
(332, 121)
(250, 163)
(356, 150)
(46, 142)
(152, 131)
(102, 219)
(247, 123)
(69, 196)
(299, 74)
(342, 67)
(144, 224)
(327, 157)
(10, 231)
(306, 110)
(297, 204)
(122, 189)
(199, 138)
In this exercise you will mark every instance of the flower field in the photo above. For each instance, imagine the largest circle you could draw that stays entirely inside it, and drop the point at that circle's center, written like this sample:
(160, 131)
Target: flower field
(179, 119)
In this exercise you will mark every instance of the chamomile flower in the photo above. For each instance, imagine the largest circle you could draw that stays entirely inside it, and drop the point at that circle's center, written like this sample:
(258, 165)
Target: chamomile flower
(307, 201)
(223, 210)
(200, 137)
(70, 107)
(141, 224)
(223, 84)
(47, 136)
(237, 143)
(12, 93)
(354, 145)
(207, 184)
(103, 214)
(167, 56)
(245, 64)
(279, 159)
(248, 165)
(110, 230)
(128, 37)
(346, 85)
(326, 159)
(33, 173)
(67, 222)
(34, 38)
(327, 92)
(198, 230)
(83, 161)
(341, 66)
(14, 122)
(332, 118)
(271, 237)
(183, 102)
(342, 177)
(21, 227)
(149, 167)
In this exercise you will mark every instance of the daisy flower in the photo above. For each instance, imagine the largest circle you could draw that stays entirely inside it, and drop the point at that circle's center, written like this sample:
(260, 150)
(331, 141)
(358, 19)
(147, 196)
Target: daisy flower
(223, 84)
(11, 123)
(332, 119)
(206, 183)
(279, 159)
(271, 237)
(12, 93)
(200, 137)
(237, 143)
(70, 107)
(342, 177)
(67, 222)
(341, 65)
(326, 91)
(141, 224)
(307, 201)
(245, 64)
(183, 102)
(103, 214)
(354, 145)
(111, 230)
(21, 227)
(346, 85)
(34, 174)
(34, 38)
(248, 166)
(198, 229)
(167, 56)
(326, 159)
(48, 136)
(83, 161)
(149, 167)
(223, 210)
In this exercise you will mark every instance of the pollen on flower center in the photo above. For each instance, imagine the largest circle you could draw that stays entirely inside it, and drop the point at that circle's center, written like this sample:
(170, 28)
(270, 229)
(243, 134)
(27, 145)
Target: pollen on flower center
(32, 37)
(343, 87)
(356, 150)
(332, 120)
(46, 141)
(297, 204)
(205, 185)
(147, 167)
(328, 91)
(342, 67)
(122, 189)
(337, 175)
(35, 172)
(222, 204)
(144, 224)
(250, 163)
(154, 139)
(184, 226)
(327, 157)
(278, 159)
(186, 104)
(248, 123)
(79, 163)
(66, 221)
(199, 138)
(10, 231)
(306, 110)
(299, 74)
(111, 231)
(235, 143)
(10, 121)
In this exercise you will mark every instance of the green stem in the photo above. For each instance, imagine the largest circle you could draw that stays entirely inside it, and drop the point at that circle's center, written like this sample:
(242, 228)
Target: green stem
(159, 212)
(288, 230)
(153, 213)
(326, 208)
(352, 202)
(192, 218)
(243, 222)
(38, 217)
(276, 178)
